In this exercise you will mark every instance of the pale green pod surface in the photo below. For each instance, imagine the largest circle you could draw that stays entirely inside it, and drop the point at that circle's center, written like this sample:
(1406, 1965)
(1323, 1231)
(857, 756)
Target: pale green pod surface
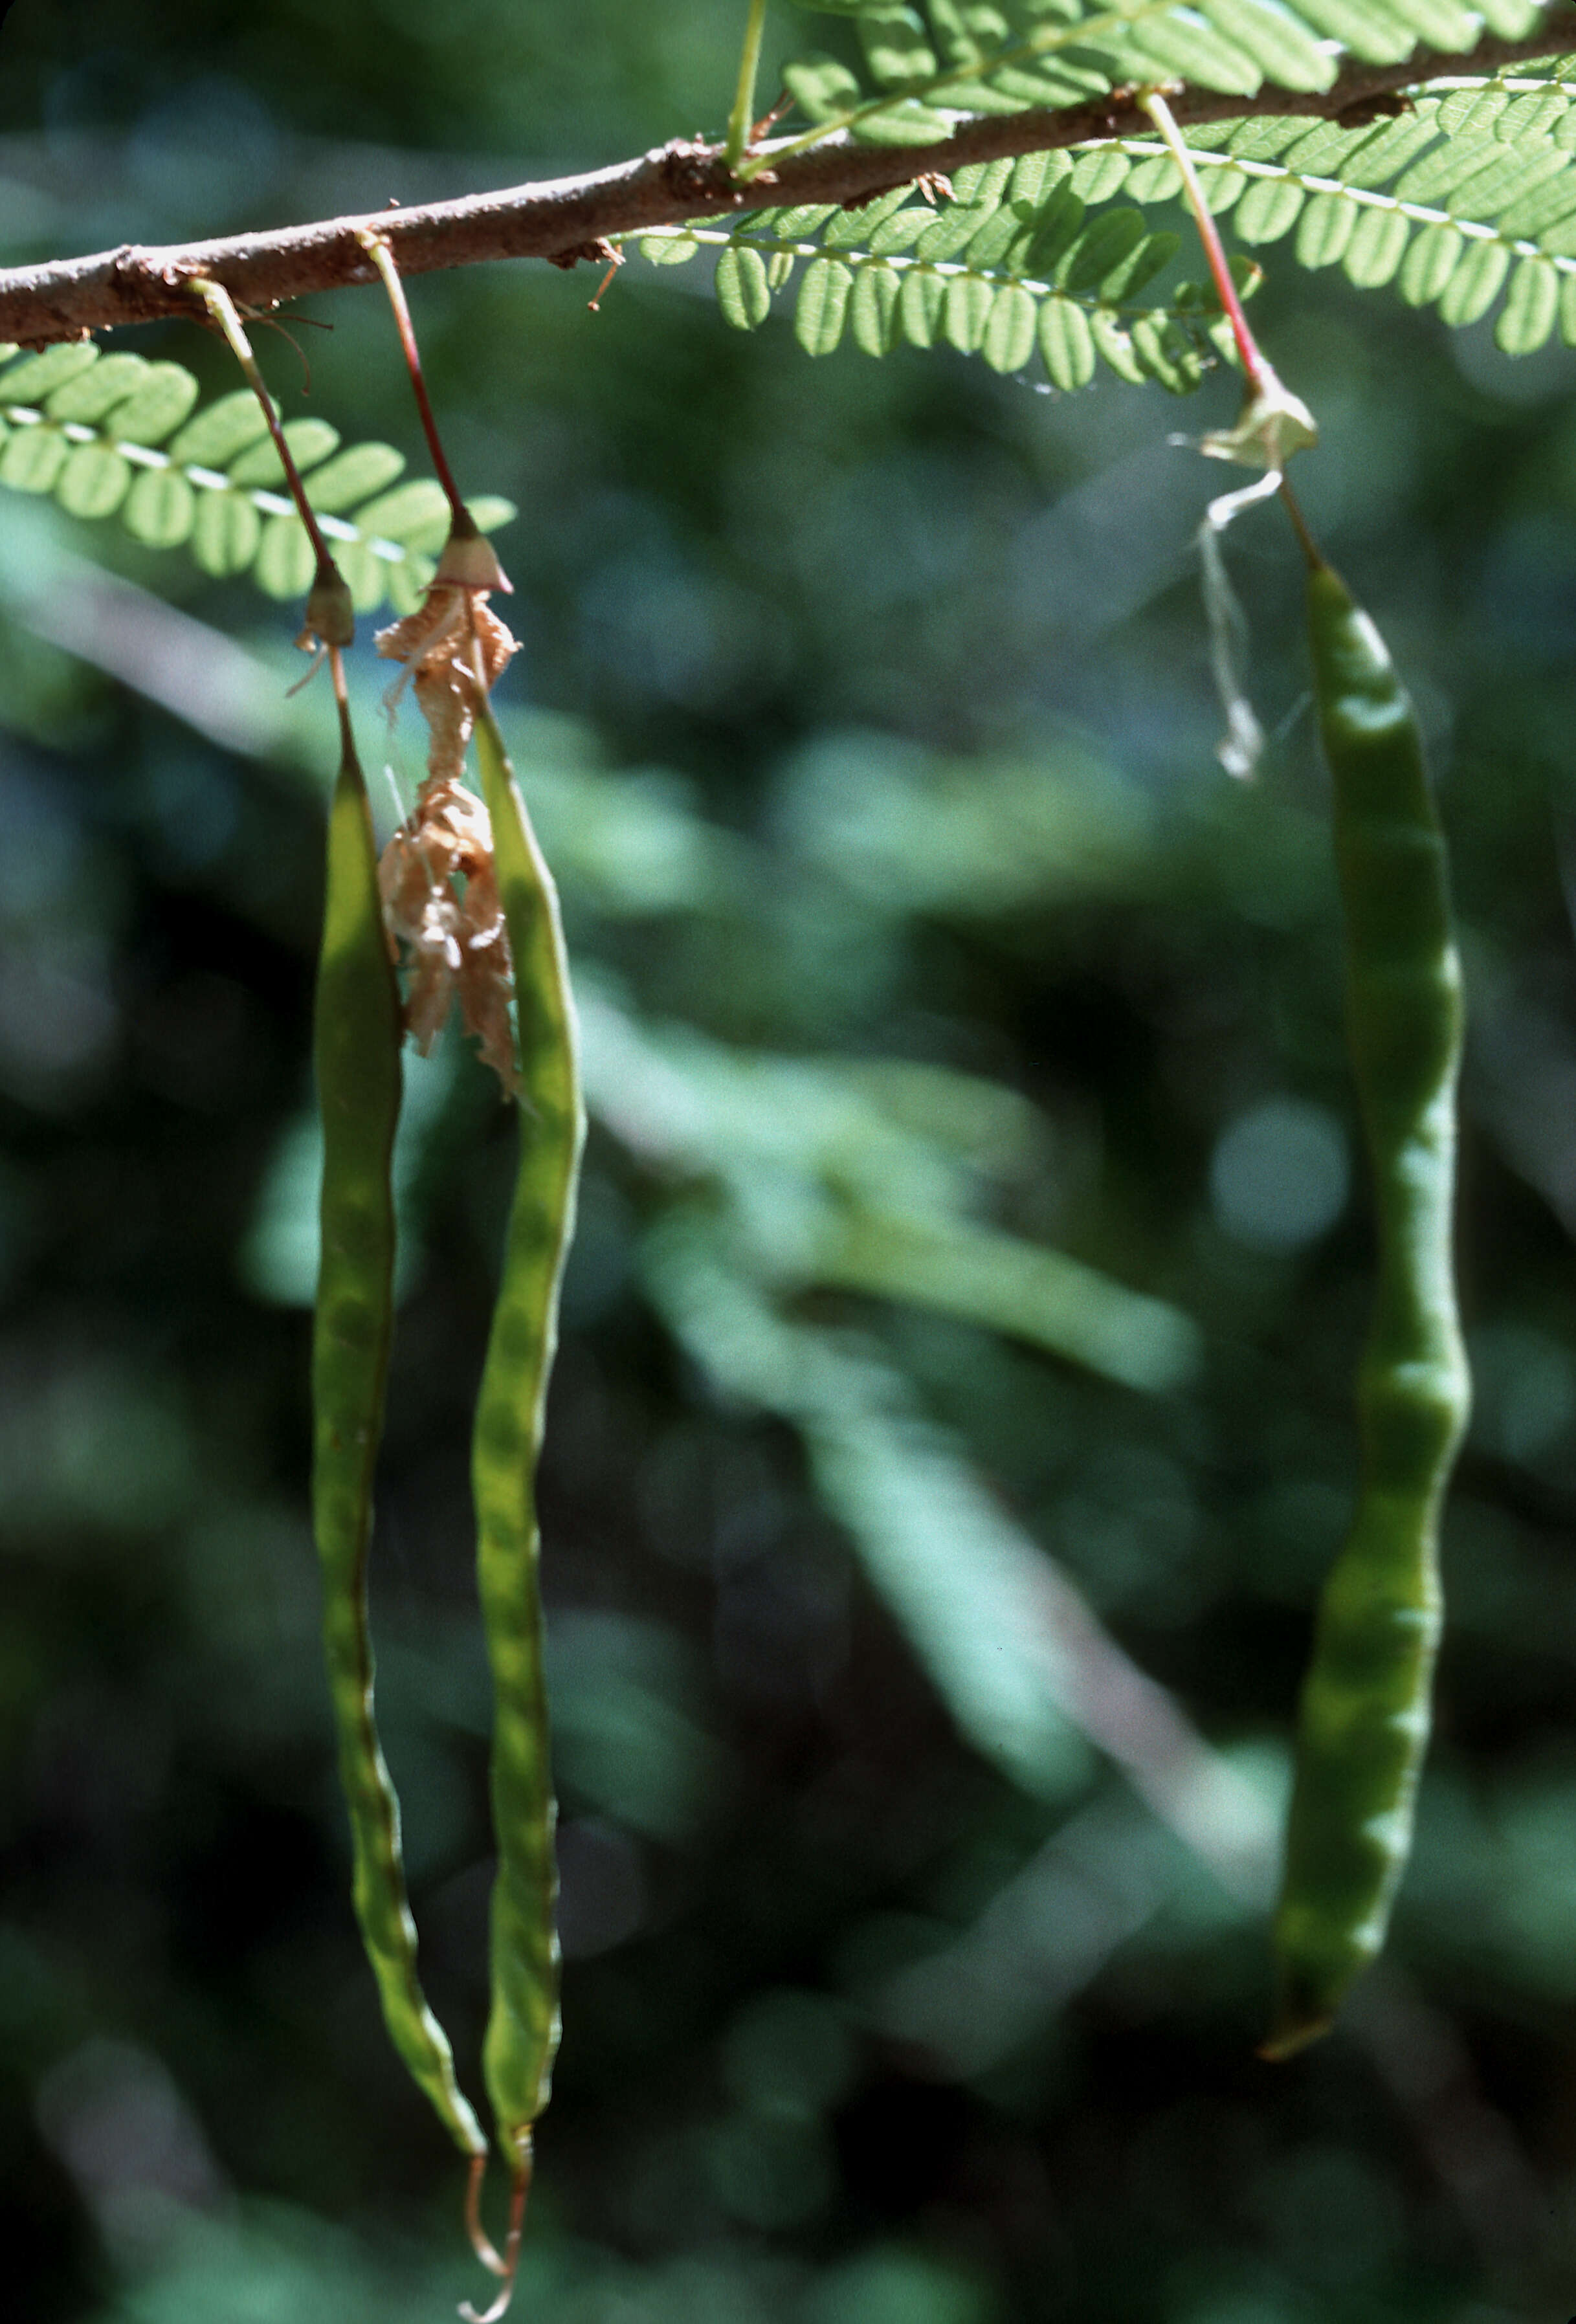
(357, 1058)
(522, 2030)
(1365, 1709)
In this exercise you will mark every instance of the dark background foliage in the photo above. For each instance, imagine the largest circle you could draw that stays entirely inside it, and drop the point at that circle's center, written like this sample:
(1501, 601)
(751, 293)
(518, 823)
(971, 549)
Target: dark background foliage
(859, 2028)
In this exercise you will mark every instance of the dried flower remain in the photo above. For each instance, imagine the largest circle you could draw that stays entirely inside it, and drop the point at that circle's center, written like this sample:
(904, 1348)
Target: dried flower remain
(438, 879)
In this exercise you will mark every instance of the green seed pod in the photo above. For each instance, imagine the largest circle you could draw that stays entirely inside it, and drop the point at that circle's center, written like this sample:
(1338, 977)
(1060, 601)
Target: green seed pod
(357, 1058)
(1365, 1710)
(522, 2031)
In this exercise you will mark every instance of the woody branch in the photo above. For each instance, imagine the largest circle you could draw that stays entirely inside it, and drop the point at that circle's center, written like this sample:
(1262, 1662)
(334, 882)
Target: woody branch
(567, 218)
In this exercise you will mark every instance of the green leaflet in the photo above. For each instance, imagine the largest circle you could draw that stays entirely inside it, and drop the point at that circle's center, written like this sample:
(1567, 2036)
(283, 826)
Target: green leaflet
(1324, 229)
(921, 297)
(108, 435)
(1475, 283)
(823, 303)
(1531, 308)
(1007, 339)
(925, 63)
(821, 87)
(1114, 345)
(1105, 244)
(1167, 353)
(1471, 193)
(665, 249)
(1001, 273)
(357, 1057)
(1268, 208)
(354, 475)
(225, 533)
(872, 309)
(522, 2031)
(860, 229)
(310, 442)
(93, 482)
(1365, 1710)
(222, 432)
(1066, 344)
(1468, 194)
(966, 309)
(41, 375)
(743, 292)
(160, 509)
(32, 462)
(100, 387)
(1486, 164)
(1099, 173)
(1376, 247)
(896, 48)
(285, 564)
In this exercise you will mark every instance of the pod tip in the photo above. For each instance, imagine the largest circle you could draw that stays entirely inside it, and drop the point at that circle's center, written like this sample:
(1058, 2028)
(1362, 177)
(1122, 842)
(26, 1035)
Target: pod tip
(1288, 2038)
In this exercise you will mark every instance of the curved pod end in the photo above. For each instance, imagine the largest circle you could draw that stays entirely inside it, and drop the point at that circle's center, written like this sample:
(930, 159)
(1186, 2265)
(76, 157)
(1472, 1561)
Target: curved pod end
(1292, 2034)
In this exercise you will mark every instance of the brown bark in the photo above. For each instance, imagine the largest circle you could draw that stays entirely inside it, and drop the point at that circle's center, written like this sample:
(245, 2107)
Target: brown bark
(567, 218)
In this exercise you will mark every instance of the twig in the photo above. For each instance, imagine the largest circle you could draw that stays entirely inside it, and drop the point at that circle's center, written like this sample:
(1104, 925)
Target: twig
(509, 2265)
(481, 2243)
(377, 250)
(1310, 546)
(330, 621)
(69, 297)
(743, 113)
(1209, 234)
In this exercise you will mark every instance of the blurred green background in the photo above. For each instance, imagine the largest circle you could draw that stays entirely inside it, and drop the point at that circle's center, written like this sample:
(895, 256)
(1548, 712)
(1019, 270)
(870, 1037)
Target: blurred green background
(953, 1416)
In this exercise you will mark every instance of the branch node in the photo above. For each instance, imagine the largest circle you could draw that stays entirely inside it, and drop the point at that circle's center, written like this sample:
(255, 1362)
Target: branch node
(587, 253)
(1379, 105)
(693, 171)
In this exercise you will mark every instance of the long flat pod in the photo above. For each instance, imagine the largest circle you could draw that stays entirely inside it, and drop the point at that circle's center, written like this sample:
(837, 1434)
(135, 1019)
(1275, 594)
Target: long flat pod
(1365, 1708)
(522, 2031)
(357, 1053)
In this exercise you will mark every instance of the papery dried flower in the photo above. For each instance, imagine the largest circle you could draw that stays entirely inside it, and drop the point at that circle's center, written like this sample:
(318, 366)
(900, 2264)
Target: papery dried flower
(453, 933)
(437, 878)
(437, 645)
